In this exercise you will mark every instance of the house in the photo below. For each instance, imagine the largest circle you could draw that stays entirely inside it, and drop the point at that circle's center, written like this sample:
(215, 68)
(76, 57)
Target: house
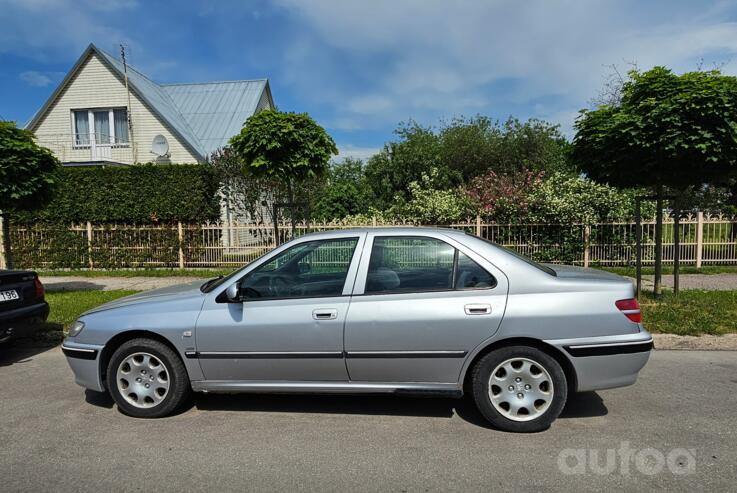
(106, 113)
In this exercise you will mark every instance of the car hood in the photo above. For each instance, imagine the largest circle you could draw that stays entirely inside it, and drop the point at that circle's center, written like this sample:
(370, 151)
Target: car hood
(170, 292)
(582, 273)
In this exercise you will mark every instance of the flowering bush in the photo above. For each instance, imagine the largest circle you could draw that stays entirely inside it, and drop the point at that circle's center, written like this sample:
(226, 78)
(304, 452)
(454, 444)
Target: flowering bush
(504, 197)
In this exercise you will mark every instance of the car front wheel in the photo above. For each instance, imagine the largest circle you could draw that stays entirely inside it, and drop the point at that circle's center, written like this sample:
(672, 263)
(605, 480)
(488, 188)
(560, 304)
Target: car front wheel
(147, 379)
(519, 388)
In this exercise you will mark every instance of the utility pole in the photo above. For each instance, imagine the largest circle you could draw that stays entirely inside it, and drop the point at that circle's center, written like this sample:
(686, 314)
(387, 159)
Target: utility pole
(128, 108)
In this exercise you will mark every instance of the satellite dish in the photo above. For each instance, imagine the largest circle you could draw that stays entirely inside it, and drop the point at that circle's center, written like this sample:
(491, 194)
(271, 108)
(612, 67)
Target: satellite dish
(160, 146)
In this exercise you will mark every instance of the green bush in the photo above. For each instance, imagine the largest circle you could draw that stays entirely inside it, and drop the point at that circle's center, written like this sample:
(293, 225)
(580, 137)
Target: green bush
(135, 194)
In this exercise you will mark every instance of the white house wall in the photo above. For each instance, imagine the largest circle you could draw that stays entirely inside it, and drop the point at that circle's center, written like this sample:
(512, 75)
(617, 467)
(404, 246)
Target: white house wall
(95, 86)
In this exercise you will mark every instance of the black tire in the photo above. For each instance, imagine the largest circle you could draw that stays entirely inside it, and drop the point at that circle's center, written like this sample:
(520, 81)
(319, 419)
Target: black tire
(179, 387)
(480, 382)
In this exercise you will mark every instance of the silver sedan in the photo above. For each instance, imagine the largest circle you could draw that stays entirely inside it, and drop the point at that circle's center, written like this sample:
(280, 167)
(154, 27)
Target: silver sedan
(387, 310)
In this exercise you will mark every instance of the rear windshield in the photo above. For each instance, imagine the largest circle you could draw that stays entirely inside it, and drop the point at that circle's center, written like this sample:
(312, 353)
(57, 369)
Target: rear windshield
(528, 261)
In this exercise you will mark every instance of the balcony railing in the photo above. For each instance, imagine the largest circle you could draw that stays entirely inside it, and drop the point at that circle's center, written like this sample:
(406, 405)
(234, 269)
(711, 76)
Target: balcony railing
(71, 148)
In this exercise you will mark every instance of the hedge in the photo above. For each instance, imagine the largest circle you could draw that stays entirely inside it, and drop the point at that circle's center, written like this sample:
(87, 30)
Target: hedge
(134, 194)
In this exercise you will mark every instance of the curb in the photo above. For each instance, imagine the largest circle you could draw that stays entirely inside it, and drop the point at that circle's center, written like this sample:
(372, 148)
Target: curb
(727, 342)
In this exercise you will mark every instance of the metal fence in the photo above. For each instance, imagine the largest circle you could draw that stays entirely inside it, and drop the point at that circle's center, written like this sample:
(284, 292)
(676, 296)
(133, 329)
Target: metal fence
(704, 240)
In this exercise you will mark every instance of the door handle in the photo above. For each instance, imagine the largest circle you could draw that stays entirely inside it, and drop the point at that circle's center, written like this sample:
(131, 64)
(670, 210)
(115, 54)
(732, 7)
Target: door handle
(478, 309)
(325, 314)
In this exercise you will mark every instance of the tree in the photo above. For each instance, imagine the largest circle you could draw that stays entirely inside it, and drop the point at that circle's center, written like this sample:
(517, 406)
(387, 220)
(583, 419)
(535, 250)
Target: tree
(289, 148)
(345, 193)
(28, 174)
(477, 145)
(667, 132)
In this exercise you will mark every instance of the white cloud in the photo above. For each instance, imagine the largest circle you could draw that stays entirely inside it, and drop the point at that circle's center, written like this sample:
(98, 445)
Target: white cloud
(428, 59)
(348, 150)
(39, 79)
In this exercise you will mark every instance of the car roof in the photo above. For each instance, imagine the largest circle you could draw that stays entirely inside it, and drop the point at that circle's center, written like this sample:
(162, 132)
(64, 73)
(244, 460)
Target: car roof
(398, 230)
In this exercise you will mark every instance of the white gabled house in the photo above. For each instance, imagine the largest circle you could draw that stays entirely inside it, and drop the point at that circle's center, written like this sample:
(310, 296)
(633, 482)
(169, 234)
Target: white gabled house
(94, 118)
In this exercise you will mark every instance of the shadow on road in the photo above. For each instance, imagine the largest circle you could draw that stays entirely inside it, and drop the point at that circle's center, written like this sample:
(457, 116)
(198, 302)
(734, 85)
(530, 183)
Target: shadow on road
(583, 405)
(21, 351)
(73, 286)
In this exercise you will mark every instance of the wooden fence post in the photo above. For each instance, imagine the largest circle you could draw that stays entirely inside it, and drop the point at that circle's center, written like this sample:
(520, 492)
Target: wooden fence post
(586, 245)
(89, 245)
(2, 242)
(373, 221)
(180, 233)
(699, 237)
(478, 225)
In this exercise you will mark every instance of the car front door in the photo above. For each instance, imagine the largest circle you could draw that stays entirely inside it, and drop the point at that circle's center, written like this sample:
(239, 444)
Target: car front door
(421, 304)
(289, 324)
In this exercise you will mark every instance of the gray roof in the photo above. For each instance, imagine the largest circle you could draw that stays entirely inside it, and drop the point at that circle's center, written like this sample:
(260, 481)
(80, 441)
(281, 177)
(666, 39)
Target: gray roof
(215, 111)
(203, 116)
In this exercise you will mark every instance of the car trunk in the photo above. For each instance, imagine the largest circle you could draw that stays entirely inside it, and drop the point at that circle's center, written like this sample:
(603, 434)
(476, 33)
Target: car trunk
(20, 282)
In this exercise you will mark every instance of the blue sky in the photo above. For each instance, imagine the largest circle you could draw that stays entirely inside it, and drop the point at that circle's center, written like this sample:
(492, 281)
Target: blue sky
(361, 67)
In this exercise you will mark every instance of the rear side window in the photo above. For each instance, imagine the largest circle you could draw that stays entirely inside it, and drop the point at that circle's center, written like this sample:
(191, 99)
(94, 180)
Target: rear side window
(406, 264)
(401, 264)
(470, 275)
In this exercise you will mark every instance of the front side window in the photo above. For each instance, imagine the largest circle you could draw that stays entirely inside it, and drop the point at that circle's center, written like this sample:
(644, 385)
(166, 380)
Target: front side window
(311, 269)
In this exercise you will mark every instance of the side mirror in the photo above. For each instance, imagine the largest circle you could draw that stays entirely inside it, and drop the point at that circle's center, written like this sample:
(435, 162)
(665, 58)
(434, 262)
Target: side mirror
(233, 293)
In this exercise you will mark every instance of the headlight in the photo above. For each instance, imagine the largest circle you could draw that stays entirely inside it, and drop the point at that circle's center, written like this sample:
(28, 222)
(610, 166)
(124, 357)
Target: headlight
(76, 328)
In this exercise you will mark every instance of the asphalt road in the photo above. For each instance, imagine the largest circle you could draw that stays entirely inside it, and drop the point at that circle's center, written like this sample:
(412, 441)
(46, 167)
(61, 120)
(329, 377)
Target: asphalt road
(54, 437)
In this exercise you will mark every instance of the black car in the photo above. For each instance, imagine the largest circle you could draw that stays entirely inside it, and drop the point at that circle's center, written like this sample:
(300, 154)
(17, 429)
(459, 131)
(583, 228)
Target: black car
(22, 304)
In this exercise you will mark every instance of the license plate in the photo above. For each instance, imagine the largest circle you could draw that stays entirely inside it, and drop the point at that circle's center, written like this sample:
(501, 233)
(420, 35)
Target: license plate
(8, 295)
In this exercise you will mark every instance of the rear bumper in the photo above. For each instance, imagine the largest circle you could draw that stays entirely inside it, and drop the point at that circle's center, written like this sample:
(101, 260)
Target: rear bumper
(22, 321)
(84, 360)
(606, 362)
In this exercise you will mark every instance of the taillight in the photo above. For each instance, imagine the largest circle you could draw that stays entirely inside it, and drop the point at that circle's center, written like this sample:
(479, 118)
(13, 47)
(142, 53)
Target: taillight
(630, 308)
(39, 288)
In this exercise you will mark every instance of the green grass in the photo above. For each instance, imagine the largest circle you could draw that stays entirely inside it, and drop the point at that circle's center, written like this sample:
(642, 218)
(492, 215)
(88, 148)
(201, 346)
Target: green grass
(138, 273)
(668, 270)
(693, 312)
(66, 307)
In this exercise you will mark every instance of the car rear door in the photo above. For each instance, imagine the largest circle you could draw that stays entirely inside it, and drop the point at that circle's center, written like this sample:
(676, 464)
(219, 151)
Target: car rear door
(289, 326)
(421, 304)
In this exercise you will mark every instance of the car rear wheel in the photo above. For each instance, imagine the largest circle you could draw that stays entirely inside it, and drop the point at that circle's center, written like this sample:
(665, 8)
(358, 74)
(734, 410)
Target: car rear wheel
(519, 388)
(147, 379)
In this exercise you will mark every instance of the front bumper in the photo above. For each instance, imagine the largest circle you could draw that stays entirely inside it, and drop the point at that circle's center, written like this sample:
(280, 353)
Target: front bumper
(606, 362)
(84, 360)
(22, 321)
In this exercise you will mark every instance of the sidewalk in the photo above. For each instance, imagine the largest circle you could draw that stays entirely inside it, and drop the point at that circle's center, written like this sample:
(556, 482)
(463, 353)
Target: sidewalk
(709, 282)
(72, 283)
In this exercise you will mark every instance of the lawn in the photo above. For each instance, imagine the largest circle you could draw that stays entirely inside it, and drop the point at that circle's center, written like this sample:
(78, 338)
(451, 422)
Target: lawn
(694, 312)
(67, 306)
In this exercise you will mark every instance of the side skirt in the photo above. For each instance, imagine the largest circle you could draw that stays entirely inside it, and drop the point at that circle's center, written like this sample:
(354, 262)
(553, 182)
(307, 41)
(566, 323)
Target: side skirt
(409, 388)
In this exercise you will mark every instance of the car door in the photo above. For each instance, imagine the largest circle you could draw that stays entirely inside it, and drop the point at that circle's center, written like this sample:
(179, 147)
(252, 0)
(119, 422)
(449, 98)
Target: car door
(289, 324)
(421, 304)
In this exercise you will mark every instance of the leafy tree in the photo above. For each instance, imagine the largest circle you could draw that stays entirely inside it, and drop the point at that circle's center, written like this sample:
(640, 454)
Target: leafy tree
(476, 145)
(400, 163)
(289, 148)
(666, 131)
(346, 192)
(429, 205)
(27, 176)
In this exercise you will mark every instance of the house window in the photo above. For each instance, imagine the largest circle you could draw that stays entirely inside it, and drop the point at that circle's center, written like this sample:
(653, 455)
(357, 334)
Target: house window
(101, 126)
